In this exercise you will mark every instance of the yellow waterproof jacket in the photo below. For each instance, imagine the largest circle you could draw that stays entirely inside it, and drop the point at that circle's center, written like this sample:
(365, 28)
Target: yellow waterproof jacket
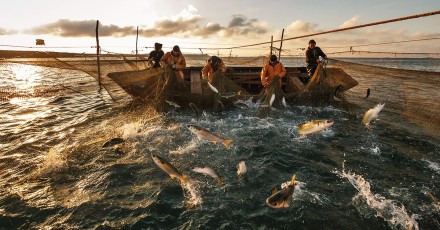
(170, 59)
(269, 72)
(208, 71)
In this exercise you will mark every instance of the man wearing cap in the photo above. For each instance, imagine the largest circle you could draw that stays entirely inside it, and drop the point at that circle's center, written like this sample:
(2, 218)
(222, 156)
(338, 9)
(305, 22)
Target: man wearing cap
(272, 69)
(156, 55)
(313, 53)
(174, 60)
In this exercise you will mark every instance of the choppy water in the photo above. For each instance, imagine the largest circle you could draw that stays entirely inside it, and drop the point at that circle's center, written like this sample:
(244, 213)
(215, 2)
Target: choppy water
(55, 173)
(422, 64)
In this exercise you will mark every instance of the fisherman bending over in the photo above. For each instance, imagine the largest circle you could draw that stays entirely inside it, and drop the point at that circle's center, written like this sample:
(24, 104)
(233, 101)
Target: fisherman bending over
(213, 72)
(175, 61)
(312, 57)
(156, 55)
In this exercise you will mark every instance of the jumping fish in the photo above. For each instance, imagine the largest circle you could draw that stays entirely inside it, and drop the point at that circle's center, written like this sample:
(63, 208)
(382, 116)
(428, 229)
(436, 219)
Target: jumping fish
(368, 93)
(206, 170)
(241, 168)
(212, 87)
(241, 105)
(372, 114)
(195, 110)
(284, 102)
(172, 103)
(169, 168)
(272, 99)
(314, 126)
(202, 133)
(281, 199)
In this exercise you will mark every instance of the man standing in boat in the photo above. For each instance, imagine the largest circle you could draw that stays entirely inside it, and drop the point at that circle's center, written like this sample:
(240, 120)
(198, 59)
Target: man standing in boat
(313, 53)
(213, 72)
(272, 70)
(174, 60)
(156, 55)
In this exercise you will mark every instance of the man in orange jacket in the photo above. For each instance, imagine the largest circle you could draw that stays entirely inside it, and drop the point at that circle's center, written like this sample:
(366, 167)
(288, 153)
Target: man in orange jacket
(271, 69)
(174, 60)
(213, 65)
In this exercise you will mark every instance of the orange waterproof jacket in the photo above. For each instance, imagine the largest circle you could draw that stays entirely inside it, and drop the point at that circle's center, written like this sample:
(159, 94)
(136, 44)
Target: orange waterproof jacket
(208, 71)
(269, 72)
(170, 59)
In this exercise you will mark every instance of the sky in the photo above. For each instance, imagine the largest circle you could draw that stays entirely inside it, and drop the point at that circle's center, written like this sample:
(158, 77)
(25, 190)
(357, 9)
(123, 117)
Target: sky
(216, 27)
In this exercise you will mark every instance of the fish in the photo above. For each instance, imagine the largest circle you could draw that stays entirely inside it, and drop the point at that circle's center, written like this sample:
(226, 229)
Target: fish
(113, 141)
(195, 110)
(172, 171)
(212, 87)
(372, 114)
(227, 95)
(241, 105)
(172, 103)
(241, 168)
(314, 126)
(284, 102)
(281, 199)
(206, 170)
(368, 93)
(272, 99)
(202, 133)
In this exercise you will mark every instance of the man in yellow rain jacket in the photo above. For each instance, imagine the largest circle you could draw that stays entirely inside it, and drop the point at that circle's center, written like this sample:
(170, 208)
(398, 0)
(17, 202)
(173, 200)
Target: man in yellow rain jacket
(271, 69)
(174, 60)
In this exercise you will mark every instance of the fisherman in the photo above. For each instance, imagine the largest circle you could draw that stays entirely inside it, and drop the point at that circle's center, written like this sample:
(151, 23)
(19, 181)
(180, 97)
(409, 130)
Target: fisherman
(155, 55)
(271, 70)
(174, 60)
(213, 72)
(313, 53)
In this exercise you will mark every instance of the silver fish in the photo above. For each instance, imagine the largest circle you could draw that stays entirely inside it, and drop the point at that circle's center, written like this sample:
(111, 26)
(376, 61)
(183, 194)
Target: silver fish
(372, 114)
(169, 168)
(272, 99)
(195, 110)
(172, 103)
(281, 199)
(206, 170)
(202, 133)
(212, 87)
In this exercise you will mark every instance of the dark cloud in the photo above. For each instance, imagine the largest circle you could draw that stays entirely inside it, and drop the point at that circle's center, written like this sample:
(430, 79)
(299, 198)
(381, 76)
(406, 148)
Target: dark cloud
(67, 28)
(171, 27)
(183, 27)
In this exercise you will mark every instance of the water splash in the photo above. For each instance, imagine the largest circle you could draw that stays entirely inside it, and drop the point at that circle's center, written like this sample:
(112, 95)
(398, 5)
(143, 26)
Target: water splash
(192, 193)
(390, 210)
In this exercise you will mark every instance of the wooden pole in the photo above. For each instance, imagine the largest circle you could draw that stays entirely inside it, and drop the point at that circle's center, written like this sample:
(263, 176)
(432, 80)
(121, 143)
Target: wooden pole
(271, 44)
(97, 55)
(137, 35)
(281, 45)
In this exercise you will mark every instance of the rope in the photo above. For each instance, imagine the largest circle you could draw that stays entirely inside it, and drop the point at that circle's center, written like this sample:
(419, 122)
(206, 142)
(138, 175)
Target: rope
(381, 52)
(341, 29)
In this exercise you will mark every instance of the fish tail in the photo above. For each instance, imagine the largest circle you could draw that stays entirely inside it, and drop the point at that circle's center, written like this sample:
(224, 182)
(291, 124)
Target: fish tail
(220, 180)
(227, 142)
(292, 182)
(183, 179)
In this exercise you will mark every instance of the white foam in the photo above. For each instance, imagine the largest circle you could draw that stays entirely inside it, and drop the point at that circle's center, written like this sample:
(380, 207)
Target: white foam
(433, 165)
(390, 210)
(192, 192)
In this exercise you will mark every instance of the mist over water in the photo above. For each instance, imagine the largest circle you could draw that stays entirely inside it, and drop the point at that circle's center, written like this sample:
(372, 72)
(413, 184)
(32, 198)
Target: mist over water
(56, 174)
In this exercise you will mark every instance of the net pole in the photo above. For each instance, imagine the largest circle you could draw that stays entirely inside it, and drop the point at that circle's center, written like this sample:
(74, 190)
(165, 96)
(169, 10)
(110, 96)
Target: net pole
(281, 45)
(97, 55)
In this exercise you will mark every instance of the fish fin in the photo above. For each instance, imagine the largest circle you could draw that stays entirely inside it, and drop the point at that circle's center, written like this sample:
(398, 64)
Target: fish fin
(220, 180)
(274, 190)
(285, 204)
(227, 142)
(292, 182)
(172, 177)
(368, 127)
(183, 179)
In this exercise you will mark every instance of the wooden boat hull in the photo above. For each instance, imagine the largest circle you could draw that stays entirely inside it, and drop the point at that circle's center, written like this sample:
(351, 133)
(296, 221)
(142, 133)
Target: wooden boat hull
(298, 88)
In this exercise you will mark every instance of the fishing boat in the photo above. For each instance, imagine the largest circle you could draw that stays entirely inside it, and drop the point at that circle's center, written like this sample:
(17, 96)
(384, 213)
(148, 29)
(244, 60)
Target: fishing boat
(240, 82)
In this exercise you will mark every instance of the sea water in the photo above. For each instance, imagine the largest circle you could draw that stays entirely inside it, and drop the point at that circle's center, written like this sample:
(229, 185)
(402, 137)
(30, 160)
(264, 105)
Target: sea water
(56, 174)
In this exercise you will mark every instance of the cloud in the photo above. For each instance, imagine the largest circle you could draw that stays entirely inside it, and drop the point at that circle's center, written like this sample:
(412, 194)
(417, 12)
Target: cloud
(300, 27)
(351, 22)
(68, 28)
(241, 26)
(7, 32)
